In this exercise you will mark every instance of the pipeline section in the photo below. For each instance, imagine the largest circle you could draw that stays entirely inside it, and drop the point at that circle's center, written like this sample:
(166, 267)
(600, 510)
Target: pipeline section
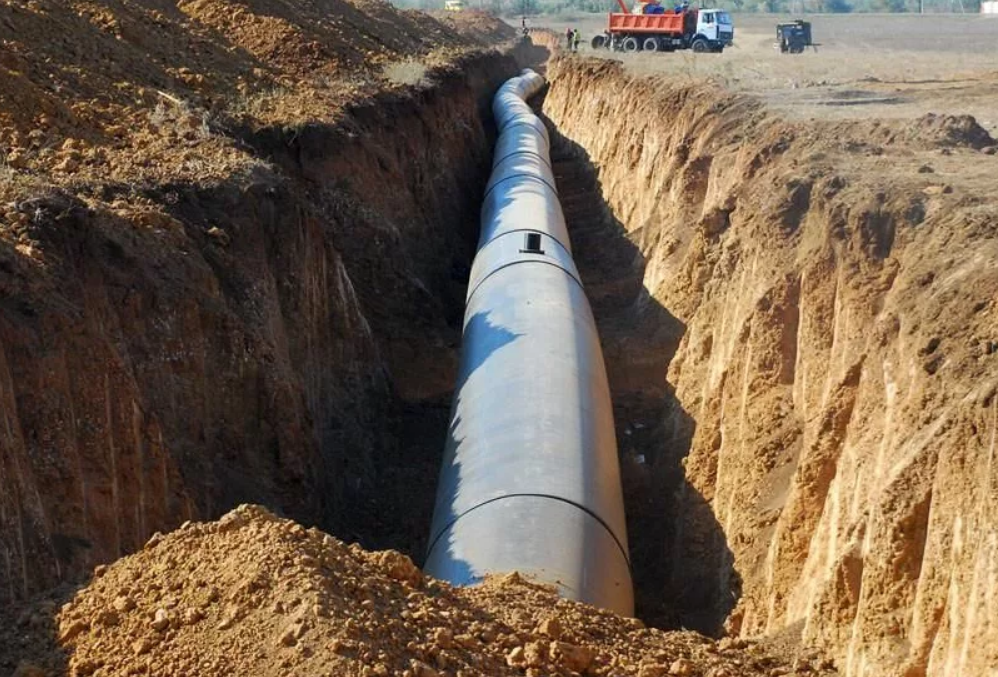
(530, 479)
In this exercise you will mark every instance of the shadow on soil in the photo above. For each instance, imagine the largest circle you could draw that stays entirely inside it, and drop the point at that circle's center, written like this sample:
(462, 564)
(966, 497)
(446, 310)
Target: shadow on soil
(683, 569)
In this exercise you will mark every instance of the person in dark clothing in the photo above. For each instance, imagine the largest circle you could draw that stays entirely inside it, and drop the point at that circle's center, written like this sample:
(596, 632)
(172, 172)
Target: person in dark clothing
(568, 38)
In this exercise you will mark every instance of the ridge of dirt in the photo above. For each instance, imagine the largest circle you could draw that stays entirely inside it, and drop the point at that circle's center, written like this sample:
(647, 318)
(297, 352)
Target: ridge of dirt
(254, 594)
(476, 24)
(159, 91)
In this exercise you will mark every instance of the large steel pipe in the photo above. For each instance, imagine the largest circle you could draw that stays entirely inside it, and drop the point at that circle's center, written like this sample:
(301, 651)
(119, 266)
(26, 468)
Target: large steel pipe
(530, 479)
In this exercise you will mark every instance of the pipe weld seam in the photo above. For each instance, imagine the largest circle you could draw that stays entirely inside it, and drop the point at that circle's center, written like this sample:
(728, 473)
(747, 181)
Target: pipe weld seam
(529, 123)
(546, 262)
(523, 175)
(540, 156)
(450, 524)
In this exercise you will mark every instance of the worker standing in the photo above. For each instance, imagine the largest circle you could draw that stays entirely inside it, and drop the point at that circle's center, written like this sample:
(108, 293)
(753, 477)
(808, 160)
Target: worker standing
(568, 38)
(576, 39)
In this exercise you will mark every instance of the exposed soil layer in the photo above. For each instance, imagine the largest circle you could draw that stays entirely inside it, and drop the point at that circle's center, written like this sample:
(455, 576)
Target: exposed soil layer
(205, 301)
(812, 411)
(254, 595)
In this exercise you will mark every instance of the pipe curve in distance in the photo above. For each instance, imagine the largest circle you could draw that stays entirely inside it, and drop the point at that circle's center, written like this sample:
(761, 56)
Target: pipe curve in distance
(530, 479)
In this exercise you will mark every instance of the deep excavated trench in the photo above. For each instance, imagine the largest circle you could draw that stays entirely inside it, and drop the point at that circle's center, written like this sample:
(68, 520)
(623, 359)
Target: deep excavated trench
(804, 393)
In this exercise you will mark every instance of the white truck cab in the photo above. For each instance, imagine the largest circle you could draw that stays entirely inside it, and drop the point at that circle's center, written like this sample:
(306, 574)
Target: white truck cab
(714, 31)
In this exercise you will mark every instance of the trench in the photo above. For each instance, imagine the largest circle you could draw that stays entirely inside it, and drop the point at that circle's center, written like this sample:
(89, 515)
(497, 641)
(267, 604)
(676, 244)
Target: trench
(741, 286)
(342, 283)
(639, 337)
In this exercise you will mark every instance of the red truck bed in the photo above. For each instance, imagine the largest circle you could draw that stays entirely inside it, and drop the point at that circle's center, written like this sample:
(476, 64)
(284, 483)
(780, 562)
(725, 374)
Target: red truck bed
(647, 23)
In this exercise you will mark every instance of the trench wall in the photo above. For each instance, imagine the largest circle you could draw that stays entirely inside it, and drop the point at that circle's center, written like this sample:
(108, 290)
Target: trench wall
(831, 399)
(242, 342)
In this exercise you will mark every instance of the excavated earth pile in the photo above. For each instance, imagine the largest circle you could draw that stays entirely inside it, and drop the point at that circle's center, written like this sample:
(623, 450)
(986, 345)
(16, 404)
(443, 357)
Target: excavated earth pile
(805, 382)
(255, 595)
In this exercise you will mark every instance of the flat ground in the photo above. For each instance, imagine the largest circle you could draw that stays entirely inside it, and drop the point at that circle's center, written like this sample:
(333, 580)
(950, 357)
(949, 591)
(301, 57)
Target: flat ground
(866, 65)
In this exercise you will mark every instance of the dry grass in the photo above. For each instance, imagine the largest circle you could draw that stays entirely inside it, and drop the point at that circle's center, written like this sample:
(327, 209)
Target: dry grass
(408, 72)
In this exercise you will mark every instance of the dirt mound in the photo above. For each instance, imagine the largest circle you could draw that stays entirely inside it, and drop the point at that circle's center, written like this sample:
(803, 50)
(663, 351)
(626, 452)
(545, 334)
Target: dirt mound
(153, 91)
(954, 130)
(255, 595)
(476, 25)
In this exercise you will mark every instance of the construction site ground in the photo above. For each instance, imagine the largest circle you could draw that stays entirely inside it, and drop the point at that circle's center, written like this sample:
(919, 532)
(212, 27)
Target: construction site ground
(234, 243)
(865, 66)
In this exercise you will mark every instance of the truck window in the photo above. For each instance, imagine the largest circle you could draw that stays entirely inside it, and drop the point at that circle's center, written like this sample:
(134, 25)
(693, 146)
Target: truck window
(708, 18)
(724, 18)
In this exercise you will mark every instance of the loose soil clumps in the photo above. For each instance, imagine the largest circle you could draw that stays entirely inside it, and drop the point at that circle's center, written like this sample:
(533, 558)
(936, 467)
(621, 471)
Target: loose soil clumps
(252, 594)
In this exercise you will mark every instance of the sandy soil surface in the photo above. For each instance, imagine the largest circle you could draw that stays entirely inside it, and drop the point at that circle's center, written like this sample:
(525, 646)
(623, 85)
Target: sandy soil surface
(255, 595)
(884, 66)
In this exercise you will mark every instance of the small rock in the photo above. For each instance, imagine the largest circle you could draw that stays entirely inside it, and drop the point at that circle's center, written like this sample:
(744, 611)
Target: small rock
(516, 658)
(68, 165)
(443, 638)
(681, 666)
(550, 627)
(652, 670)
(288, 637)
(926, 169)
(17, 160)
(85, 667)
(728, 643)
(535, 654)
(220, 237)
(400, 567)
(938, 190)
(70, 632)
(100, 570)
(123, 603)
(192, 616)
(108, 617)
(142, 646)
(421, 669)
(574, 657)
(161, 621)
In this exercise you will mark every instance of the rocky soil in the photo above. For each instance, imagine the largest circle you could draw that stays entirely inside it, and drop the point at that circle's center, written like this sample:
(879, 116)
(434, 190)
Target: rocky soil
(806, 376)
(252, 594)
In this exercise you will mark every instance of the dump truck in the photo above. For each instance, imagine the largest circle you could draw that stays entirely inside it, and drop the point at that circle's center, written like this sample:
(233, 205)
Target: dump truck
(655, 28)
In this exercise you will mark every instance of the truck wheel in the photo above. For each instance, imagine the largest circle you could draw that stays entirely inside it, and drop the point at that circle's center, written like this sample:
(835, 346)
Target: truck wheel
(630, 44)
(599, 41)
(700, 46)
(650, 45)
